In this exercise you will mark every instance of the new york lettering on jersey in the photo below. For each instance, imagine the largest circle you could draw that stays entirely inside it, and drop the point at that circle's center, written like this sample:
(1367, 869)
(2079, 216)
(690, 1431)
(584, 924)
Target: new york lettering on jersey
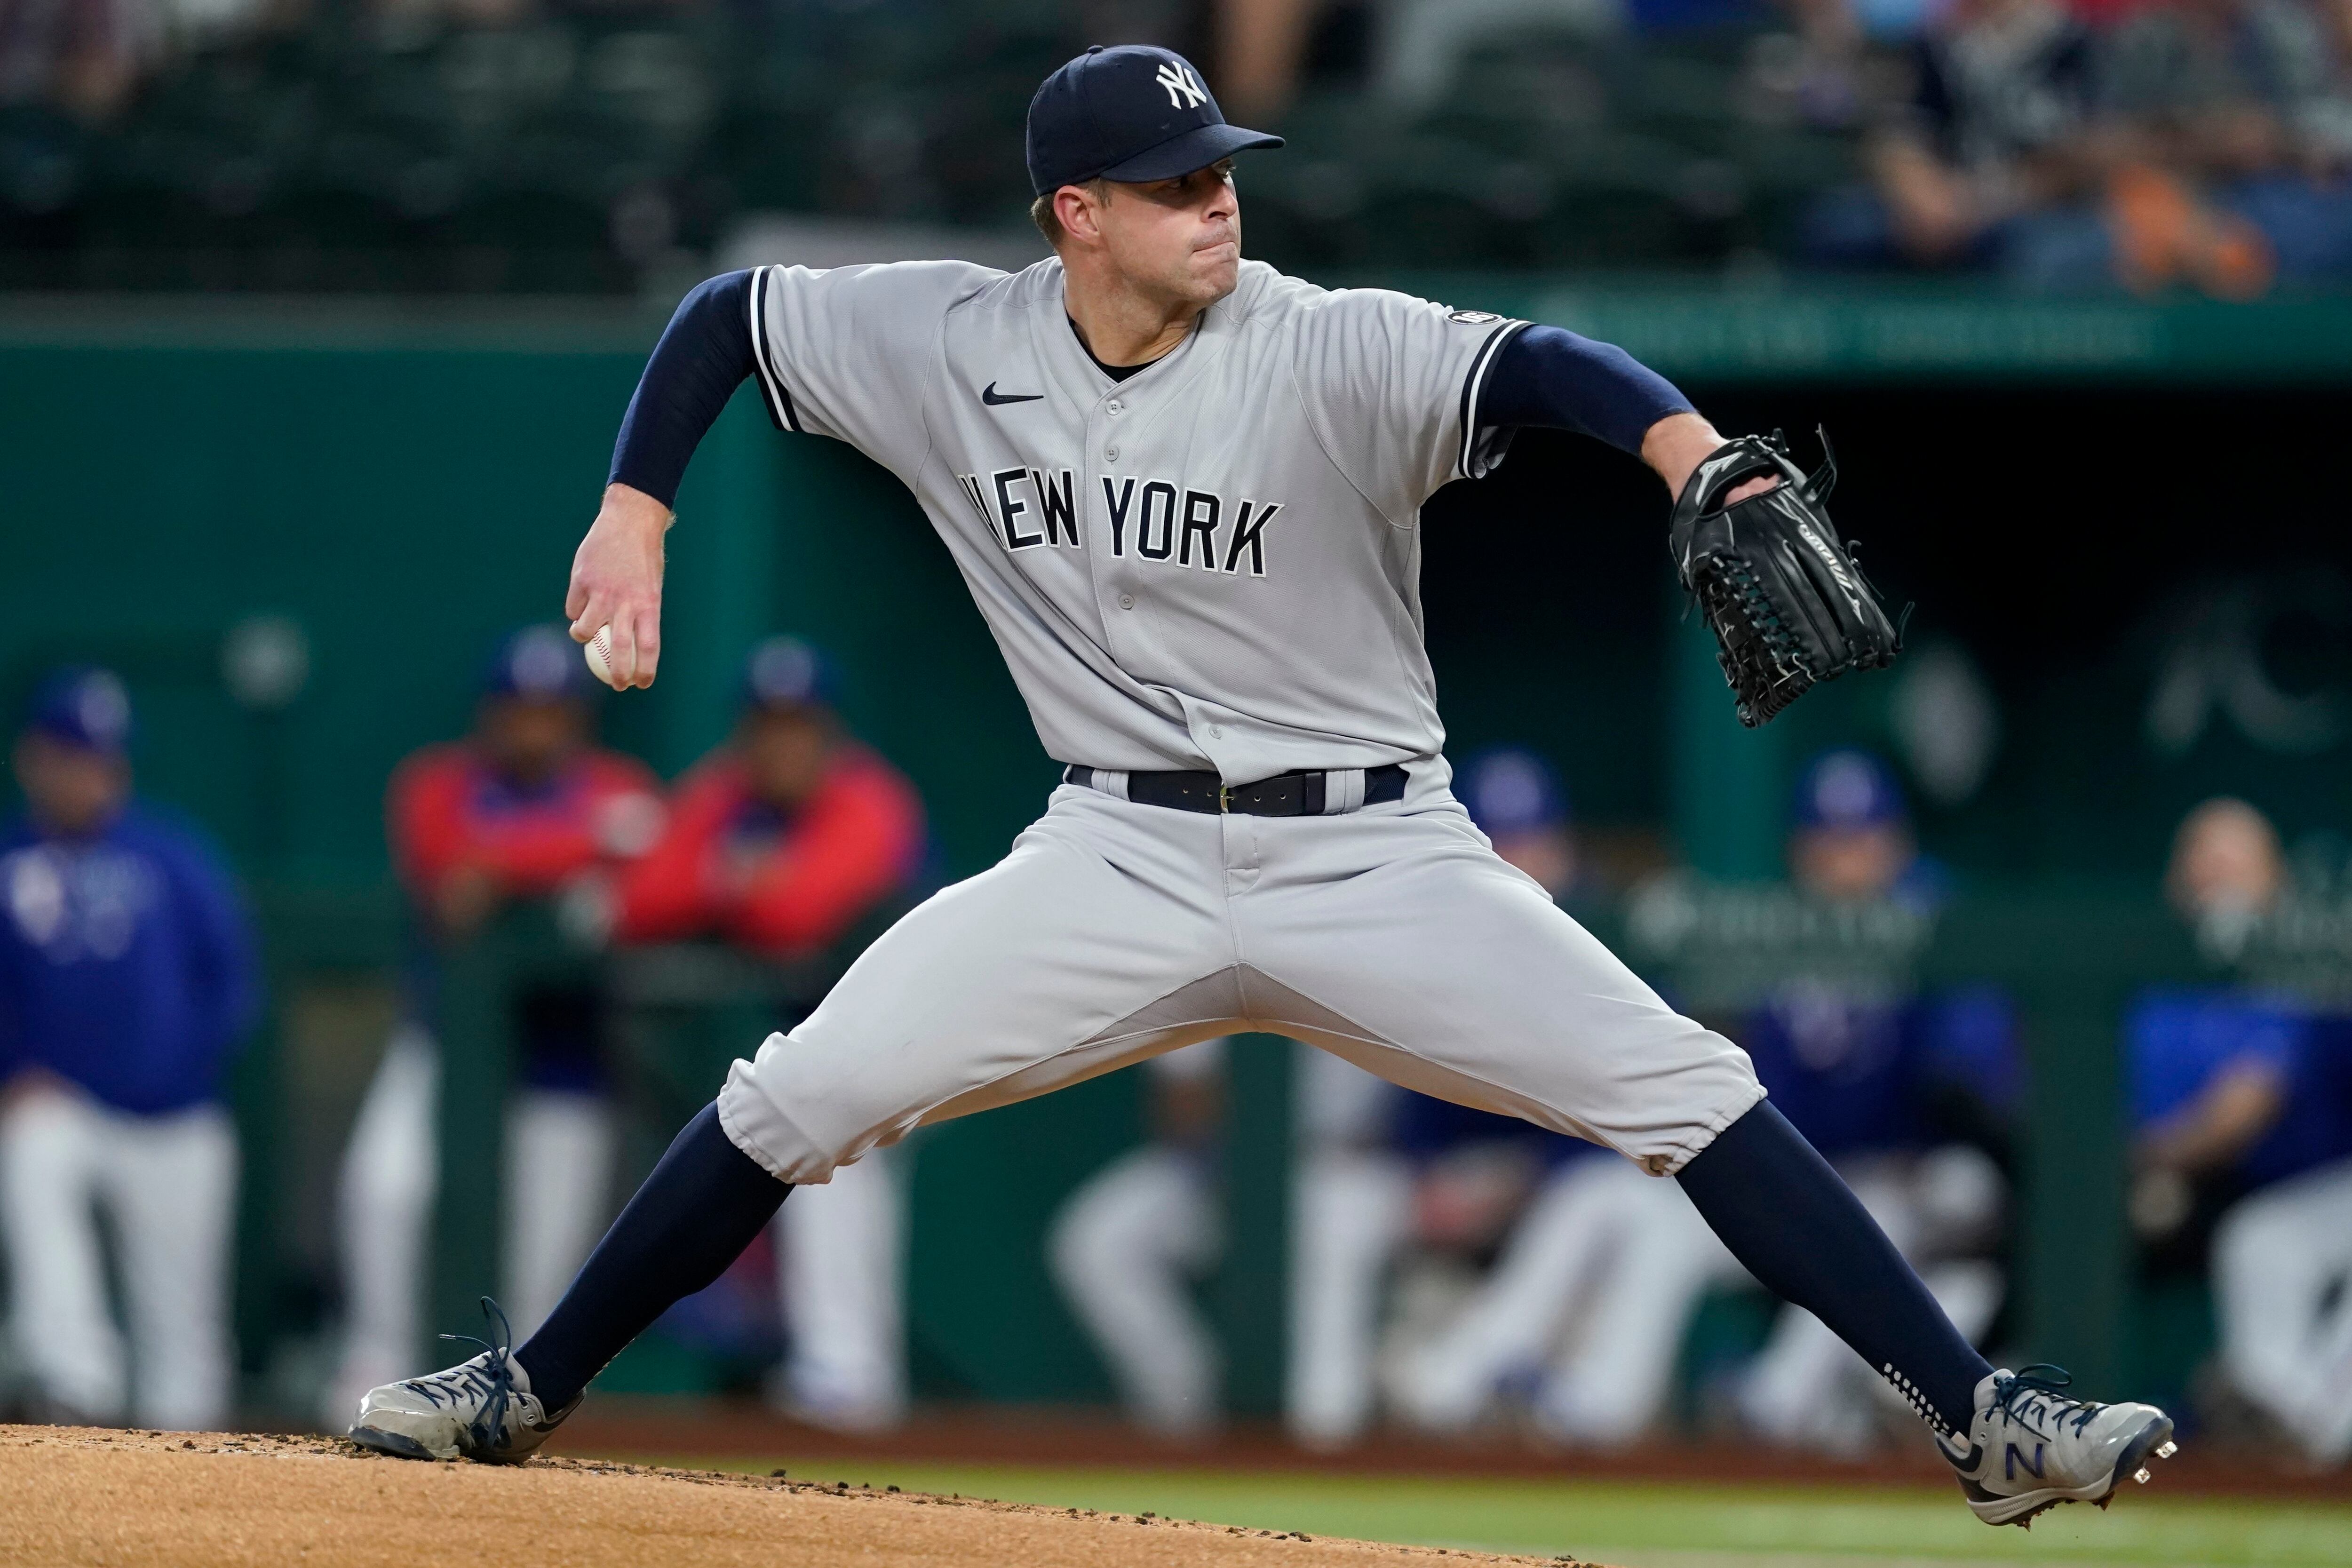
(1214, 563)
(1184, 525)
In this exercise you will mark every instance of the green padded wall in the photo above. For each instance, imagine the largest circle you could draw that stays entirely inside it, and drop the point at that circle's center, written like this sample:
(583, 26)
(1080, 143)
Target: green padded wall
(403, 506)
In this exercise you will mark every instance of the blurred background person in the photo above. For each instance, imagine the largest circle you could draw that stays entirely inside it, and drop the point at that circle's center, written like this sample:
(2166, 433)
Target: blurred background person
(2194, 141)
(1584, 1310)
(1518, 800)
(1261, 53)
(1422, 43)
(1898, 1090)
(127, 978)
(1907, 1093)
(781, 844)
(1375, 1169)
(1993, 134)
(2241, 1106)
(1350, 1209)
(1486, 1199)
(1130, 1245)
(525, 809)
(2230, 117)
(1555, 1217)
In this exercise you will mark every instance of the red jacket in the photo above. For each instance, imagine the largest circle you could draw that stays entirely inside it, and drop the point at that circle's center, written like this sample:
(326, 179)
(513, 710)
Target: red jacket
(448, 809)
(734, 867)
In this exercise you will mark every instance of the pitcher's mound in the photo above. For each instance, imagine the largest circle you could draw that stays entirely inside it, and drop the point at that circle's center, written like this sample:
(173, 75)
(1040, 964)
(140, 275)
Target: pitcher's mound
(71, 1494)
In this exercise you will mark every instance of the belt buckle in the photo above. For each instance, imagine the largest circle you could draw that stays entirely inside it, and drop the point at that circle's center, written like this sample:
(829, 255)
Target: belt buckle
(1224, 796)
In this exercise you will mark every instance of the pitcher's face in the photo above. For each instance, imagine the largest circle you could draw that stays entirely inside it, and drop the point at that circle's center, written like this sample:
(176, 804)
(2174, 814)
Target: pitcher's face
(1179, 239)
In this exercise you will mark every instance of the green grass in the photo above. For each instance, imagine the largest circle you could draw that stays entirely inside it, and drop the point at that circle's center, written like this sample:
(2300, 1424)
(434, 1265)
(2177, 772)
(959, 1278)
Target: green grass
(1652, 1525)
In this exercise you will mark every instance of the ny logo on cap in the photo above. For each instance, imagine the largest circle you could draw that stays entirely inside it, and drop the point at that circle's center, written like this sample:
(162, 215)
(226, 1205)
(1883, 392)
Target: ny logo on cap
(1184, 89)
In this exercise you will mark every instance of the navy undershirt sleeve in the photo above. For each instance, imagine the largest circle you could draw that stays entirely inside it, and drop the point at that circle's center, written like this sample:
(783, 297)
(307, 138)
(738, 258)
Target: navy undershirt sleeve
(703, 356)
(1554, 380)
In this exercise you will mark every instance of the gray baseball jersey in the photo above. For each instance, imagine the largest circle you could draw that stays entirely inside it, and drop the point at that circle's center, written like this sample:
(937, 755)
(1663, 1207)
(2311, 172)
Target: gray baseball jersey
(1210, 564)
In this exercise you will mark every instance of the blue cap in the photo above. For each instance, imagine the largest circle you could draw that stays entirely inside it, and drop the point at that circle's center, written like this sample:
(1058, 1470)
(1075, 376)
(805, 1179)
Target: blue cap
(786, 672)
(1508, 789)
(1846, 788)
(539, 663)
(82, 706)
(1131, 113)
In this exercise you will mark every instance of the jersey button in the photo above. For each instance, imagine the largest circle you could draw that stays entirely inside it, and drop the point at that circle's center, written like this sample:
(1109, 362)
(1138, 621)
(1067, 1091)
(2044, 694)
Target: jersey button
(1116, 406)
(1127, 601)
(1110, 454)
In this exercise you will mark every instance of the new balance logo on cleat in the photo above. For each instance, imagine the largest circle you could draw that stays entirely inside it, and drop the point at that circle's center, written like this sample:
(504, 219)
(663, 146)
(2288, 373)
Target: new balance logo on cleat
(2052, 1449)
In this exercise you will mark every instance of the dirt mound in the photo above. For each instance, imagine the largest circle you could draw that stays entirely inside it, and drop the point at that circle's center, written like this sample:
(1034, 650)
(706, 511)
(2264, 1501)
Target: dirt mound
(75, 1496)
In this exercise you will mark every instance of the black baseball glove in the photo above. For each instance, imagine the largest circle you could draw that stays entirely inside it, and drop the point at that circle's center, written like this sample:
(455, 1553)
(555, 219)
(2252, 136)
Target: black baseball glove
(1787, 603)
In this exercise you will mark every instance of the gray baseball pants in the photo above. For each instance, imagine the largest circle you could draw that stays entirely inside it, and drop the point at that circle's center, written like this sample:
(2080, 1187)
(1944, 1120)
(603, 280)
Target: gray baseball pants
(1392, 936)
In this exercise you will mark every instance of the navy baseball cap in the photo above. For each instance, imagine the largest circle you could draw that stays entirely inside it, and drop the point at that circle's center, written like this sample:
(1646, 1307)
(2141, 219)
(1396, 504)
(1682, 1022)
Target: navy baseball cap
(84, 707)
(1129, 113)
(1848, 789)
(786, 672)
(540, 664)
(1508, 790)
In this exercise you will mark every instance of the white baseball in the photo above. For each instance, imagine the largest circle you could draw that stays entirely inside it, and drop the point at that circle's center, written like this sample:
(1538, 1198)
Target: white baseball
(598, 651)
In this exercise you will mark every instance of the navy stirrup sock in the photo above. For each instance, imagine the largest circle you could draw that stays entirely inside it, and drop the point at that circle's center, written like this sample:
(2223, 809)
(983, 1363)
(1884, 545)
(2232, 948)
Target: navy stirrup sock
(1794, 1225)
(695, 1216)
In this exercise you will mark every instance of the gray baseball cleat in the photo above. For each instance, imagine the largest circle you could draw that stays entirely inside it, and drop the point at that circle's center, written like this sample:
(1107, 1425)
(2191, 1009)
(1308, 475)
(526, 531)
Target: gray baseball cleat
(2030, 1447)
(481, 1409)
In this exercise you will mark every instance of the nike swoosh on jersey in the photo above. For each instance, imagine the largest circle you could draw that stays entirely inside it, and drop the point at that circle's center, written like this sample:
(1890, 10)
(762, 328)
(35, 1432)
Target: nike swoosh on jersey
(993, 398)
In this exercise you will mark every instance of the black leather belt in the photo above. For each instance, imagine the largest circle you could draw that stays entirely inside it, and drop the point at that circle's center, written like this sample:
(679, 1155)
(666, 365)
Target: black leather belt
(1286, 795)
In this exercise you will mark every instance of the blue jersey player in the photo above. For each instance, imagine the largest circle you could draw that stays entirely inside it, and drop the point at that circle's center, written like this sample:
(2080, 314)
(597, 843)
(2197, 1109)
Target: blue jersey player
(127, 979)
(2247, 1097)
(1907, 1092)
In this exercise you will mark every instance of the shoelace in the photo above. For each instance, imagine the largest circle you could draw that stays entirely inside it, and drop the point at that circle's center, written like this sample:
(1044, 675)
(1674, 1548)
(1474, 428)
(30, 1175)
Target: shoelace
(493, 1382)
(2044, 1384)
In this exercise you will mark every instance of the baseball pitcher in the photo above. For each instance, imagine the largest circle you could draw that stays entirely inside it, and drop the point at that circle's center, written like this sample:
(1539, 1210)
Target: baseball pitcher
(1186, 493)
